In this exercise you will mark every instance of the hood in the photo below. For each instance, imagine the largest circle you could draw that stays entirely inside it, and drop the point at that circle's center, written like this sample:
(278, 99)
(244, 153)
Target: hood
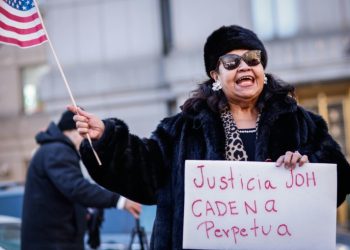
(53, 134)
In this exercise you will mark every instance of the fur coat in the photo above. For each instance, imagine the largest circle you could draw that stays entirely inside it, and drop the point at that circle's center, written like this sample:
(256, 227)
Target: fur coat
(151, 171)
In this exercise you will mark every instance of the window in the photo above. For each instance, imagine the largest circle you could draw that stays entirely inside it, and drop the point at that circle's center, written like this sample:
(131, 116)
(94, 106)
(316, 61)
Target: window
(31, 78)
(336, 123)
(275, 18)
(332, 101)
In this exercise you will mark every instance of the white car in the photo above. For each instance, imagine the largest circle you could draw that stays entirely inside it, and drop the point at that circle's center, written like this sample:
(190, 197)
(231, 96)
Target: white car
(10, 232)
(343, 239)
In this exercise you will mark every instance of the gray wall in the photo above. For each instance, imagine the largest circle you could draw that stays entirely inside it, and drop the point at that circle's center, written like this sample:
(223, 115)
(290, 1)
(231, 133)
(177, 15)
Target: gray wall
(111, 52)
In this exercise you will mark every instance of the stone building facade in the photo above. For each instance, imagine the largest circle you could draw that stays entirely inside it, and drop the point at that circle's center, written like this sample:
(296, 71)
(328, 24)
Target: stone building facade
(139, 59)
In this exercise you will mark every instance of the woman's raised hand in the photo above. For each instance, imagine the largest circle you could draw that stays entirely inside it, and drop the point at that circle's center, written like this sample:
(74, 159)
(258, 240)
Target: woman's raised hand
(87, 123)
(290, 160)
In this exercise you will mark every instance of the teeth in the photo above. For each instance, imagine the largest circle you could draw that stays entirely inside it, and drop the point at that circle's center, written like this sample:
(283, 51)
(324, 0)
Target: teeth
(245, 78)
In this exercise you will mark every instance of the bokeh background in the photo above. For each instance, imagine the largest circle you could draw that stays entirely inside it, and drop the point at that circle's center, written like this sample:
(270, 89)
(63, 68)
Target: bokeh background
(139, 59)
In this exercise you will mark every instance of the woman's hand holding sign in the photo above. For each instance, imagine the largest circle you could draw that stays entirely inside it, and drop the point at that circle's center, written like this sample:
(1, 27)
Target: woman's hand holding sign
(290, 160)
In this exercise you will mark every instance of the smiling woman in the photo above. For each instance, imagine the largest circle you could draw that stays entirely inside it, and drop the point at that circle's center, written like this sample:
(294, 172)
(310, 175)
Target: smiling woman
(241, 113)
(241, 76)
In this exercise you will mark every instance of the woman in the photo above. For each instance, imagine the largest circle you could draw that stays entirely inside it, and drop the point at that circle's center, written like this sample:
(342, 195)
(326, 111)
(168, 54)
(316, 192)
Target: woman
(240, 113)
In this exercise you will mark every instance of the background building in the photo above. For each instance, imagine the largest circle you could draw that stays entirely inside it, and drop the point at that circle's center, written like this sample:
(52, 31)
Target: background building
(139, 59)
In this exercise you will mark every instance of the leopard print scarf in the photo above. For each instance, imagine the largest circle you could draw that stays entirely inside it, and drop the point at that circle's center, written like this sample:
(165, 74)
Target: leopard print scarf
(234, 149)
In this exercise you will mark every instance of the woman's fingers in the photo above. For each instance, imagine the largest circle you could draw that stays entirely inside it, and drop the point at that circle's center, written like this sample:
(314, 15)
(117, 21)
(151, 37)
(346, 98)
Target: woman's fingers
(72, 108)
(84, 113)
(294, 159)
(87, 123)
(287, 159)
(291, 159)
(304, 159)
(80, 124)
(78, 111)
(279, 161)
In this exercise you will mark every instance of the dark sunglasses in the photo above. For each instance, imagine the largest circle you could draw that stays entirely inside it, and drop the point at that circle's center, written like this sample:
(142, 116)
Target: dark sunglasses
(232, 61)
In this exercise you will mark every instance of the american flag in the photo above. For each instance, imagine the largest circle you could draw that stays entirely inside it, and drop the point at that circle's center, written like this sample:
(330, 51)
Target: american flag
(20, 24)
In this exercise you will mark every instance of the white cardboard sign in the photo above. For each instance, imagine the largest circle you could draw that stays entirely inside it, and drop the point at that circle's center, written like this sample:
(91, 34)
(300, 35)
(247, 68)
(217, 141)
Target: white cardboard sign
(255, 205)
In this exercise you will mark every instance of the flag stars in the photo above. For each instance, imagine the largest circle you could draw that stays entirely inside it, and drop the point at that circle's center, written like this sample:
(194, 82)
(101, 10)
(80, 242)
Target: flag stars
(22, 5)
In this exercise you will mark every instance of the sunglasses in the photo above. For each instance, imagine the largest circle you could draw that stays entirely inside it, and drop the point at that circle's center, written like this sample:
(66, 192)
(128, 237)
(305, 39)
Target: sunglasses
(232, 61)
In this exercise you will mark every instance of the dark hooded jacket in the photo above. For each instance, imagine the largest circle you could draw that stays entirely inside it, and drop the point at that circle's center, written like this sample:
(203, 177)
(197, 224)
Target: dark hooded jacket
(151, 170)
(56, 194)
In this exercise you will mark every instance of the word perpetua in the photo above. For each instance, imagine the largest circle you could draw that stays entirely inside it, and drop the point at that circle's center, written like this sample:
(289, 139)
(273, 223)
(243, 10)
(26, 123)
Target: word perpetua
(235, 232)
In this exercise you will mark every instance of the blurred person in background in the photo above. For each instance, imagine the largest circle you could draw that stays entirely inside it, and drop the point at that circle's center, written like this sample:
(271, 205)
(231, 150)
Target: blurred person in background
(57, 194)
(241, 113)
(95, 219)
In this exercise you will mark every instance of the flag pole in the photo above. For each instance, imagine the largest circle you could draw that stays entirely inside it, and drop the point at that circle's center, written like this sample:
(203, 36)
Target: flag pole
(64, 76)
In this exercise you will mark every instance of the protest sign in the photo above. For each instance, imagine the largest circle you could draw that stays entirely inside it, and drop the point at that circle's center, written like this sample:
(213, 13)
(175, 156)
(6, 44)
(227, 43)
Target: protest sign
(255, 205)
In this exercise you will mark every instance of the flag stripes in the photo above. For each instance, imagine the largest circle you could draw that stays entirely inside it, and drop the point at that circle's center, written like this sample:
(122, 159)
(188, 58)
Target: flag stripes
(20, 24)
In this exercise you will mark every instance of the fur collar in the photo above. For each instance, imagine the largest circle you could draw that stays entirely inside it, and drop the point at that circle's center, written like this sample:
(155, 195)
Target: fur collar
(214, 133)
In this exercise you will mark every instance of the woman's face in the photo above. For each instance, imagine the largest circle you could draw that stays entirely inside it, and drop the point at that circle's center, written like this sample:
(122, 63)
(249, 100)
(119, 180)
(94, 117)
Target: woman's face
(243, 84)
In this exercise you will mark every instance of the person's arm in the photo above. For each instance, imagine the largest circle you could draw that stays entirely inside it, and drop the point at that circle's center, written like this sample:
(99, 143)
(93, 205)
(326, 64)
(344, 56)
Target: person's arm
(131, 166)
(65, 174)
(323, 148)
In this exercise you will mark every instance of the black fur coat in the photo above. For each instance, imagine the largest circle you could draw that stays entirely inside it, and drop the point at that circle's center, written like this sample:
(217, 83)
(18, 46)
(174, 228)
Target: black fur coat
(151, 171)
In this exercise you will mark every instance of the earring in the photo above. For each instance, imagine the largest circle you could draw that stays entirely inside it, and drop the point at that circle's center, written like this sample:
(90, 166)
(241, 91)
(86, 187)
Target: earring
(265, 79)
(216, 85)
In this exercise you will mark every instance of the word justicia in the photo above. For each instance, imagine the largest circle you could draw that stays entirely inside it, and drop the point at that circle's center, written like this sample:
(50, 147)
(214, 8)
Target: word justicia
(230, 181)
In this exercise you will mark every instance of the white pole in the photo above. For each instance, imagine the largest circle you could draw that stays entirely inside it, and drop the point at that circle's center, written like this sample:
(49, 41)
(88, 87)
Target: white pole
(63, 76)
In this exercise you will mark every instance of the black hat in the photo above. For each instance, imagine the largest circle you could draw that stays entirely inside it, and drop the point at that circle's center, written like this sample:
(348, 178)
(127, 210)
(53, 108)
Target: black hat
(228, 38)
(66, 122)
